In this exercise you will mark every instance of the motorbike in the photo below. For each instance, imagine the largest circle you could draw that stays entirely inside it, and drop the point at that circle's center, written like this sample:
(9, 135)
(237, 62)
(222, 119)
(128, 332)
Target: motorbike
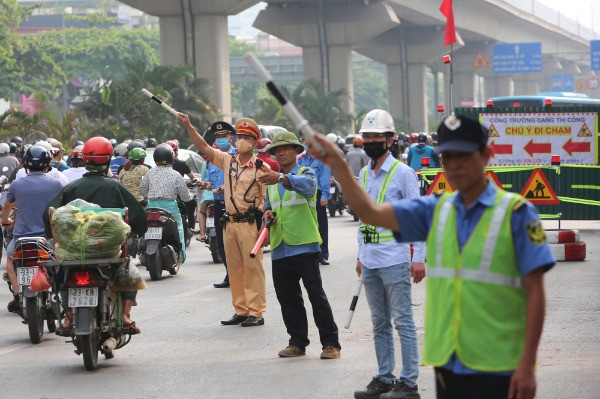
(211, 234)
(37, 306)
(336, 202)
(350, 211)
(6, 231)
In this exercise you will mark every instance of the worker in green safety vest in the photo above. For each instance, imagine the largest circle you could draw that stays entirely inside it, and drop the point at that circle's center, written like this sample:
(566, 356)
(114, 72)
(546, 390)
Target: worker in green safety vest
(294, 237)
(486, 256)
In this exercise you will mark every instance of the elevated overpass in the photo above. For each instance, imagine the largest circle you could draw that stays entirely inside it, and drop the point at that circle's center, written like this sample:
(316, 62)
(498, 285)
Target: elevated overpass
(405, 35)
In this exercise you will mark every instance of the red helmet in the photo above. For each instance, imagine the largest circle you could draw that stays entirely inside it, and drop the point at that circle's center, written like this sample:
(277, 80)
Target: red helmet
(357, 141)
(77, 152)
(414, 137)
(173, 145)
(263, 145)
(97, 151)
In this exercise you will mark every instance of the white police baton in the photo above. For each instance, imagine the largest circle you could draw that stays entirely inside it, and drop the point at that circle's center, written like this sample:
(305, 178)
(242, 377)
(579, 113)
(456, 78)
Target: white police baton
(353, 304)
(160, 102)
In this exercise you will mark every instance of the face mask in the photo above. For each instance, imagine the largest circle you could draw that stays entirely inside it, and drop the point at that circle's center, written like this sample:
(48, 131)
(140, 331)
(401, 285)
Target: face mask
(375, 150)
(243, 146)
(222, 143)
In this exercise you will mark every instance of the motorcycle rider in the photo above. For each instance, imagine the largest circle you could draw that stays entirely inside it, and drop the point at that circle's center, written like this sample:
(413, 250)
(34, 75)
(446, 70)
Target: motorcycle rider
(422, 150)
(53, 172)
(97, 188)
(7, 163)
(32, 193)
(356, 156)
(77, 169)
(262, 147)
(184, 170)
(162, 185)
(57, 153)
(132, 178)
(120, 158)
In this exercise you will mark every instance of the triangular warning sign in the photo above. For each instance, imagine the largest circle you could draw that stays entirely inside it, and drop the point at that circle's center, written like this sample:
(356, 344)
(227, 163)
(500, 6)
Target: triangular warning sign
(440, 182)
(480, 61)
(492, 132)
(538, 190)
(585, 131)
(491, 175)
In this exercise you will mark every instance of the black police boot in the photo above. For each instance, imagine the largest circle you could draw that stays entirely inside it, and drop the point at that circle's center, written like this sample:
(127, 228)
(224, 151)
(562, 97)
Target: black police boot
(373, 390)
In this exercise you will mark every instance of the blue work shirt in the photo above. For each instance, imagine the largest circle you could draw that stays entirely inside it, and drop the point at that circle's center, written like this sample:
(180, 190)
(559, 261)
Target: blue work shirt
(32, 194)
(303, 185)
(322, 171)
(217, 177)
(530, 256)
(403, 185)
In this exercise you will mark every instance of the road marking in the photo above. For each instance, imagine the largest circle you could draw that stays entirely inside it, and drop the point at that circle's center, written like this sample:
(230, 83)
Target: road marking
(193, 292)
(12, 348)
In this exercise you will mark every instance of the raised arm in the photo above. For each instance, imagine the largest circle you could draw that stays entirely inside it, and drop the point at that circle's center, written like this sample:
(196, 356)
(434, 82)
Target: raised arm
(196, 137)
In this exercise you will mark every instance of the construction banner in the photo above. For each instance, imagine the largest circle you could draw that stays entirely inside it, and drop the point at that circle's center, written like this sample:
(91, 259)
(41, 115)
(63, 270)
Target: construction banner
(532, 139)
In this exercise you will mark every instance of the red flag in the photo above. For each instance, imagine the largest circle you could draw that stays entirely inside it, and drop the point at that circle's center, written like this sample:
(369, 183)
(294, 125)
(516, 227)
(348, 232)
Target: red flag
(446, 10)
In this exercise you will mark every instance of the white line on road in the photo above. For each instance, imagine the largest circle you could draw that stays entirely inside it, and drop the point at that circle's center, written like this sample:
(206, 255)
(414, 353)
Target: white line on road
(193, 292)
(12, 348)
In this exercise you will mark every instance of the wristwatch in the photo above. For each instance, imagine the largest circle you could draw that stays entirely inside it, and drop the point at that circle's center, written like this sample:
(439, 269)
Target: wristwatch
(281, 177)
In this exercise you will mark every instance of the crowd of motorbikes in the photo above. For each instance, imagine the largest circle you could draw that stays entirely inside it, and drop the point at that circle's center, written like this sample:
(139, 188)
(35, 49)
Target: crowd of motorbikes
(336, 202)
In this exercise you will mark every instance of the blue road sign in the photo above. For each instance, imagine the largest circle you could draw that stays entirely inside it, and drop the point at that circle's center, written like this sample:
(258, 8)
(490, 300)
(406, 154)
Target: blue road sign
(595, 53)
(517, 58)
(563, 82)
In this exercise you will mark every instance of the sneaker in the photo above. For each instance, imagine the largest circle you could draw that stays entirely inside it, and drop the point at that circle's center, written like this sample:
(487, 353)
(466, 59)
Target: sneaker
(330, 352)
(292, 351)
(374, 390)
(14, 306)
(402, 391)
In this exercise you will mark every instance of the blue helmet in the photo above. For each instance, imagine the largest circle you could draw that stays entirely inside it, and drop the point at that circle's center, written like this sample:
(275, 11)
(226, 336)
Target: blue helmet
(37, 158)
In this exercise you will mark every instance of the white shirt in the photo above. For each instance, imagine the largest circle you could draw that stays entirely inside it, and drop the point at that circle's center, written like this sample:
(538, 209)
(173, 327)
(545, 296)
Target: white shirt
(54, 174)
(162, 182)
(74, 173)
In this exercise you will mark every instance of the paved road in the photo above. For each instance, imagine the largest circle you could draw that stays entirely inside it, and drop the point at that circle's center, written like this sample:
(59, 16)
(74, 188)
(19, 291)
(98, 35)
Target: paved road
(184, 352)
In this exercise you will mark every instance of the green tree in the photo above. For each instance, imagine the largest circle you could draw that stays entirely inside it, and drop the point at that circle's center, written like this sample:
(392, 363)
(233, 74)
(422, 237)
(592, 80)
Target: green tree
(370, 89)
(238, 48)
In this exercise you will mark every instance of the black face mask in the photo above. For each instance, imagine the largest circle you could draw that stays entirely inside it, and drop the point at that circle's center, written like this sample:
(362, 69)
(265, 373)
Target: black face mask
(375, 150)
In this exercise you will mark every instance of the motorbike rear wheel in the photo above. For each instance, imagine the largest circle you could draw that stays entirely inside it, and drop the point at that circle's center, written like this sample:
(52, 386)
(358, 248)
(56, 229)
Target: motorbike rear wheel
(35, 319)
(155, 265)
(89, 348)
(214, 250)
(331, 208)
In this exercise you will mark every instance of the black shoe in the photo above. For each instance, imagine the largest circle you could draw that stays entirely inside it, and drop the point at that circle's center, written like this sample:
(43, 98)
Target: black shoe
(235, 319)
(402, 391)
(253, 321)
(14, 306)
(224, 284)
(324, 262)
(373, 390)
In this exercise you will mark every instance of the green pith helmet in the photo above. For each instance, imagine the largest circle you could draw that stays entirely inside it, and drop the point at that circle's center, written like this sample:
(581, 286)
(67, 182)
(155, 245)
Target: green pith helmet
(285, 138)
(136, 154)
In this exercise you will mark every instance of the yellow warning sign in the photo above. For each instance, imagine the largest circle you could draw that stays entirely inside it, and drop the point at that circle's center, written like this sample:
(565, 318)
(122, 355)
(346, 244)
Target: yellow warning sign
(440, 182)
(480, 61)
(493, 132)
(585, 131)
(492, 176)
(538, 190)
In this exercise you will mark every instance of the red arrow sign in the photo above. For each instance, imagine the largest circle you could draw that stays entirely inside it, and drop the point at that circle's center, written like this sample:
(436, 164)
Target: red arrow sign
(572, 146)
(537, 148)
(499, 149)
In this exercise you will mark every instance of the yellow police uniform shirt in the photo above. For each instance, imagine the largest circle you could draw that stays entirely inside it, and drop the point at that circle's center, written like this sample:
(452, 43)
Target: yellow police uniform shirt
(242, 177)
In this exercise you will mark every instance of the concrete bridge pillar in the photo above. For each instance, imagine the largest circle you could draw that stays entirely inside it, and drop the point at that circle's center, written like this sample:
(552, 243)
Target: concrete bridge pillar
(327, 32)
(498, 86)
(464, 89)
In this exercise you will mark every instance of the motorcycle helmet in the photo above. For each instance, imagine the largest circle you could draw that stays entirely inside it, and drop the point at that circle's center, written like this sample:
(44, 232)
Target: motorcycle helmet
(37, 158)
(263, 145)
(137, 143)
(97, 151)
(422, 138)
(78, 143)
(332, 137)
(357, 141)
(173, 145)
(77, 152)
(414, 137)
(121, 150)
(113, 142)
(137, 154)
(17, 140)
(12, 148)
(151, 143)
(4, 149)
(164, 155)
(44, 144)
(24, 150)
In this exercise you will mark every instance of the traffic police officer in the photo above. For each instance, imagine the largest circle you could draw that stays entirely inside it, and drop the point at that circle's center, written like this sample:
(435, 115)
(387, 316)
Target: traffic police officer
(244, 202)
(487, 254)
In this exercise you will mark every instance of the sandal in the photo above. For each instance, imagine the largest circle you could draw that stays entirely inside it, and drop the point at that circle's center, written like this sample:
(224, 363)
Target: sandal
(202, 238)
(133, 327)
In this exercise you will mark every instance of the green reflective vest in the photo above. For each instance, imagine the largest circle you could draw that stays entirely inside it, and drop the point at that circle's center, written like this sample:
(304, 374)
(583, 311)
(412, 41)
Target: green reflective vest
(475, 302)
(370, 234)
(296, 221)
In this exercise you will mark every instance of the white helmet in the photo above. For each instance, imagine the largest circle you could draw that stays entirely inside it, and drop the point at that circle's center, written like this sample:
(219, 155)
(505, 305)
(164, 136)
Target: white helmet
(121, 149)
(45, 144)
(332, 137)
(377, 121)
(4, 148)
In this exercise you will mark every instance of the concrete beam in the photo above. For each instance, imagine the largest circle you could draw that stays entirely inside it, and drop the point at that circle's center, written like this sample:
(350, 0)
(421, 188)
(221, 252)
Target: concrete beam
(162, 8)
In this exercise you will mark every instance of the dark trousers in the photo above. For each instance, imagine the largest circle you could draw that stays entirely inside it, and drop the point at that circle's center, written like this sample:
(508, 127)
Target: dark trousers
(458, 386)
(219, 211)
(323, 227)
(287, 273)
(190, 207)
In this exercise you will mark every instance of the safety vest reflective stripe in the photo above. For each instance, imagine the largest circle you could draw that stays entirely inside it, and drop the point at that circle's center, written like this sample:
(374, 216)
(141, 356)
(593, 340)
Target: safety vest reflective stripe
(382, 192)
(483, 274)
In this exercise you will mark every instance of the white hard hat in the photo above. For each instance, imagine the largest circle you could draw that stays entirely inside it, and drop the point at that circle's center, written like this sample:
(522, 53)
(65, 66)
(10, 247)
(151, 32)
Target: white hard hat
(332, 137)
(4, 148)
(377, 121)
(121, 149)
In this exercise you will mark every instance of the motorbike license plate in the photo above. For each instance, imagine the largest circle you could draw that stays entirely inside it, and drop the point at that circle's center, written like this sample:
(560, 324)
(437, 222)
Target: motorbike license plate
(210, 222)
(83, 297)
(331, 190)
(153, 233)
(25, 274)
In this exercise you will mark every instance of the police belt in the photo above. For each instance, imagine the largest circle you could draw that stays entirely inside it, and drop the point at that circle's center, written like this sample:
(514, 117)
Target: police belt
(246, 217)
